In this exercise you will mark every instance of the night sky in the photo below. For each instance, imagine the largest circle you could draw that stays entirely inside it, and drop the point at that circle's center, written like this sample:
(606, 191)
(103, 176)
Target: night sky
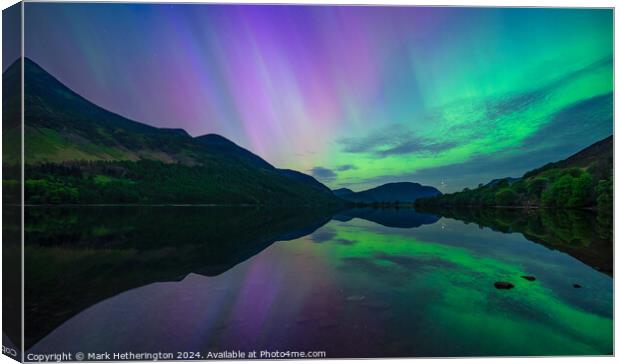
(356, 96)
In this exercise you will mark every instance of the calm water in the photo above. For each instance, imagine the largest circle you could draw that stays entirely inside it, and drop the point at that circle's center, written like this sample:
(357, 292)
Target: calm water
(354, 284)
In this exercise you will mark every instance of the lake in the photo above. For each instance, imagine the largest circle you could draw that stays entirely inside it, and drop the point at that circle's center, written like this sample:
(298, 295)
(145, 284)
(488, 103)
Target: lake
(356, 283)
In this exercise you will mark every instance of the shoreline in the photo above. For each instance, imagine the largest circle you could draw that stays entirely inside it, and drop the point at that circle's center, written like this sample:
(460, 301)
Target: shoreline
(591, 208)
(355, 206)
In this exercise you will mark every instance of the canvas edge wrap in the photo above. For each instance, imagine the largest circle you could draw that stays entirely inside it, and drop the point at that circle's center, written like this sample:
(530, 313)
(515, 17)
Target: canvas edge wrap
(12, 183)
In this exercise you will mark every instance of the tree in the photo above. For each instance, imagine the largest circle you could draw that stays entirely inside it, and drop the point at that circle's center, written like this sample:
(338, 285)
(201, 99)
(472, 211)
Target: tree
(488, 198)
(519, 186)
(559, 193)
(506, 197)
(536, 186)
(605, 198)
(582, 191)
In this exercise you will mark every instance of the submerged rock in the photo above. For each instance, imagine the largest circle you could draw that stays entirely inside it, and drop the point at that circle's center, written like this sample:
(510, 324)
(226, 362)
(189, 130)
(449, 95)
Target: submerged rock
(529, 278)
(504, 285)
(576, 285)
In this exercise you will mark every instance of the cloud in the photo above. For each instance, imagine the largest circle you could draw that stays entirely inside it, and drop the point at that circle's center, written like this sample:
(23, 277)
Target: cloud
(323, 235)
(416, 146)
(491, 122)
(323, 173)
(378, 139)
(592, 67)
(518, 102)
(345, 167)
(328, 174)
(345, 241)
(589, 119)
(394, 140)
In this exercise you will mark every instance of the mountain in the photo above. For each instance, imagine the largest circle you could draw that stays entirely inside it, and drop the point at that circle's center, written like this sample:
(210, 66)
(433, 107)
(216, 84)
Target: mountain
(599, 154)
(342, 192)
(217, 144)
(583, 180)
(305, 179)
(78, 152)
(61, 125)
(401, 192)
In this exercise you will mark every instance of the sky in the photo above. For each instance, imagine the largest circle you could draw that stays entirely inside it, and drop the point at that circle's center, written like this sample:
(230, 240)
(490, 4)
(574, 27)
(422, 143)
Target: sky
(355, 96)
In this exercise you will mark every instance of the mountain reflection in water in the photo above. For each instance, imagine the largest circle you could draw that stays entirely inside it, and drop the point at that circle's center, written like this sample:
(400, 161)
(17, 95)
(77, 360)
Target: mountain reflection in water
(363, 282)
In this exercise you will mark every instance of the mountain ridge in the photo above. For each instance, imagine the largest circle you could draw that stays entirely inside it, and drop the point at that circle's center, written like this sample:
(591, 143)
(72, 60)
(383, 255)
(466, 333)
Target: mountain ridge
(79, 152)
(393, 192)
(113, 138)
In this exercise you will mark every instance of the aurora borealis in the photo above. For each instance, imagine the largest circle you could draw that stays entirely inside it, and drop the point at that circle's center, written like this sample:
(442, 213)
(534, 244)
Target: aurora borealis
(356, 96)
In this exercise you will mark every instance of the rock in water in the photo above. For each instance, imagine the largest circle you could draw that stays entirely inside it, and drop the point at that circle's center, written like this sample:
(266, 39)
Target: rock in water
(529, 278)
(504, 285)
(576, 285)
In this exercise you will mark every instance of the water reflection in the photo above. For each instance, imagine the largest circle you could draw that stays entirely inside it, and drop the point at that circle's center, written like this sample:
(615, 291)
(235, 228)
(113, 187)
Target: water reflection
(583, 234)
(75, 257)
(11, 280)
(365, 283)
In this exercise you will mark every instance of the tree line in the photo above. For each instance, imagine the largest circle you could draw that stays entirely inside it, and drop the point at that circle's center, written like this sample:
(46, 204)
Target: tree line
(154, 182)
(553, 188)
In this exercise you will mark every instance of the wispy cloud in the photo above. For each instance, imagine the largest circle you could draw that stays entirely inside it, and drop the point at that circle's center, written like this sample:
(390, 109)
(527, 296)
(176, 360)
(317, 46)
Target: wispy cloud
(416, 146)
(346, 167)
(329, 174)
(395, 140)
(323, 173)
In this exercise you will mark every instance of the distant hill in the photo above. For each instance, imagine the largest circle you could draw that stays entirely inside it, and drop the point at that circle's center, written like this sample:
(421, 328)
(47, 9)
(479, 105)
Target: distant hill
(508, 180)
(583, 180)
(599, 154)
(341, 192)
(78, 152)
(399, 192)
